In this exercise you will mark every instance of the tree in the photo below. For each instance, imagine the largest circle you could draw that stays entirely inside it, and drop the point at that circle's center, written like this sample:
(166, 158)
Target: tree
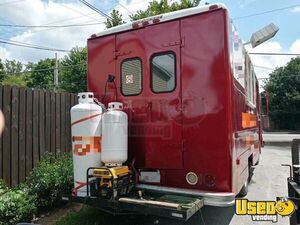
(115, 20)
(283, 88)
(11, 73)
(40, 75)
(162, 6)
(1, 70)
(73, 71)
(13, 67)
(14, 80)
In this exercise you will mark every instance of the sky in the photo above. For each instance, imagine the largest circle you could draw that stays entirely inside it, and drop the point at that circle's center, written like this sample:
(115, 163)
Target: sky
(66, 12)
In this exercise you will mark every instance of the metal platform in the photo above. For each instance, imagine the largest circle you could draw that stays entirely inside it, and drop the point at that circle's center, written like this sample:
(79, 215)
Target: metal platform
(169, 206)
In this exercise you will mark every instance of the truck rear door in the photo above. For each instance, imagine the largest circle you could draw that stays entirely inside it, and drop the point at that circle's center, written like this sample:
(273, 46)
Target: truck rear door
(148, 64)
(164, 96)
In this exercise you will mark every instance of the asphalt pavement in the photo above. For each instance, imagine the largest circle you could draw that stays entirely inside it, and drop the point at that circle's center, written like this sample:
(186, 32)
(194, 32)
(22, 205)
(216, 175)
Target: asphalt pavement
(267, 183)
(282, 138)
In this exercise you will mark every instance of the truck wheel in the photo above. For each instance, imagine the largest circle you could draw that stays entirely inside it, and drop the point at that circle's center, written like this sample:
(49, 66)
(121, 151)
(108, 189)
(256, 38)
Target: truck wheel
(244, 190)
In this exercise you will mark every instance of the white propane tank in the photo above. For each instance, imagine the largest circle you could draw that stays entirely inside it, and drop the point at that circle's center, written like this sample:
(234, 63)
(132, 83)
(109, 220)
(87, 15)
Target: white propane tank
(115, 135)
(86, 139)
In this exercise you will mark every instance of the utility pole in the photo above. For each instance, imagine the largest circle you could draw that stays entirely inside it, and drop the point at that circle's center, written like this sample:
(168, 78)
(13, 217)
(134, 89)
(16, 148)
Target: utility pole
(56, 73)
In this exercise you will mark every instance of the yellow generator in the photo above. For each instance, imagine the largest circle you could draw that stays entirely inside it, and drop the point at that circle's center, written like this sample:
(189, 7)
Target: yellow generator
(111, 182)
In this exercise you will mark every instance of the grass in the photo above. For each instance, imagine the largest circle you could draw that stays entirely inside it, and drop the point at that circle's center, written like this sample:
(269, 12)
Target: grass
(92, 216)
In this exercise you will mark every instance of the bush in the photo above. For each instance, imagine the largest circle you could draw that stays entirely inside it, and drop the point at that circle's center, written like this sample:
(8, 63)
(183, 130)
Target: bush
(50, 179)
(15, 205)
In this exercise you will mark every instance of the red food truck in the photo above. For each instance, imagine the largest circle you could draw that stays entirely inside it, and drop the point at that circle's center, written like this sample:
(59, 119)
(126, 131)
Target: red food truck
(191, 96)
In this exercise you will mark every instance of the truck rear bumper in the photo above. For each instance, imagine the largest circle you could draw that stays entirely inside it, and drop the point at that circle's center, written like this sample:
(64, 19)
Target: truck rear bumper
(127, 205)
(219, 199)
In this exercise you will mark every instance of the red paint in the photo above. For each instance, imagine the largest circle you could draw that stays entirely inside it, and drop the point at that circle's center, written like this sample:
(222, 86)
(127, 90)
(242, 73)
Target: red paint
(79, 185)
(85, 119)
(198, 126)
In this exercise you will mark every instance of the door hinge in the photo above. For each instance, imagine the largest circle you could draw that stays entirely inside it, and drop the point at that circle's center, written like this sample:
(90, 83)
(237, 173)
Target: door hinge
(182, 145)
(179, 42)
(119, 53)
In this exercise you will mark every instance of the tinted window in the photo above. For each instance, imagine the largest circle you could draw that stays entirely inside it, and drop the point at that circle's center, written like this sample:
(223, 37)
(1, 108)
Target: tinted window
(163, 72)
(131, 76)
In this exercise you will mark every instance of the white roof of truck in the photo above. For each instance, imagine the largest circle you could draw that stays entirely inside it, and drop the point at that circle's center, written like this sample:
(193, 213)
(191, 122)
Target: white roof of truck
(162, 18)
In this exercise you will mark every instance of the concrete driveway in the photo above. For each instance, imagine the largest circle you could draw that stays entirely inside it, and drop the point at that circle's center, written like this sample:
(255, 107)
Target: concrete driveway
(268, 182)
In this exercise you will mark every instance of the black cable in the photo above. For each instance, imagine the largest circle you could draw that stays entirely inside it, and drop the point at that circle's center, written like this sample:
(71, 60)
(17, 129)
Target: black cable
(95, 9)
(105, 89)
(50, 26)
(25, 45)
(265, 12)
(273, 53)
(116, 91)
(22, 43)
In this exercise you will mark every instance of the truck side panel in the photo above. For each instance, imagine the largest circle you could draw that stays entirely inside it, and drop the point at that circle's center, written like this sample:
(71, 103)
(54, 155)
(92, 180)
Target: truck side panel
(205, 86)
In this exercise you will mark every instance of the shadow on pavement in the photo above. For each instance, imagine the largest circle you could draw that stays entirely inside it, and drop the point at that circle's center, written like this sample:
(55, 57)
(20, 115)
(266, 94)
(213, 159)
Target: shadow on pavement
(207, 216)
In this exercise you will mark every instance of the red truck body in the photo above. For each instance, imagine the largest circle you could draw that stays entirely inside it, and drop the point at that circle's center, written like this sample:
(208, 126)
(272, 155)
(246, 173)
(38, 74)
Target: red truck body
(202, 121)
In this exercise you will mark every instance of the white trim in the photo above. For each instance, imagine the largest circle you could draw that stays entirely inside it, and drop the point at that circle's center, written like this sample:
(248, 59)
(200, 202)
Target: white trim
(219, 199)
(163, 18)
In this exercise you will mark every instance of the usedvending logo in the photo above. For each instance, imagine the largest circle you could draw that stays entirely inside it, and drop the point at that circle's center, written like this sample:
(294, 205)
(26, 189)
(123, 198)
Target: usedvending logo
(265, 210)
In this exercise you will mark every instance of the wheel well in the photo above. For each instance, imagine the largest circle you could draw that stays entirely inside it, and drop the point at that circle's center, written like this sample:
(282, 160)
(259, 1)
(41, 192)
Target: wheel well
(250, 160)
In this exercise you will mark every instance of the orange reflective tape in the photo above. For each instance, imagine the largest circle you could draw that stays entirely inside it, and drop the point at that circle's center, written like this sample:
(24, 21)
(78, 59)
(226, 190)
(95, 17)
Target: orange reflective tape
(84, 145)
(248, 120)
(249, 140)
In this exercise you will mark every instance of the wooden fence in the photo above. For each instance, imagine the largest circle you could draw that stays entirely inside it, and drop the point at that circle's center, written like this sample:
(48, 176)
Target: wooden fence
(36, 122)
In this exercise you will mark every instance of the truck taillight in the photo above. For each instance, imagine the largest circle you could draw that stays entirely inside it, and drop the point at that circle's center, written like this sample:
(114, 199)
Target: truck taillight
(192, 178)
(146, 22)
(210, 181)
(212, 7)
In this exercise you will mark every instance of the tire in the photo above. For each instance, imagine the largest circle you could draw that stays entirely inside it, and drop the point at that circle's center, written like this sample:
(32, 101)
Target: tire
(244, 190)
(257, 162)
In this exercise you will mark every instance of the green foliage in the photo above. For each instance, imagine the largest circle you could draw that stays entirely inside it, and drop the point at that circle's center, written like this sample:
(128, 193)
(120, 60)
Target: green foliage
(73, 71)
(116, 19)
(15, 205)
(42, 74)
(13, 80)
(1, 70)
(93, 216)
(263, 103)
(12, 67)
(50, 179)
(284, 95)
(86, 216)
(11, 73)
(162, 6)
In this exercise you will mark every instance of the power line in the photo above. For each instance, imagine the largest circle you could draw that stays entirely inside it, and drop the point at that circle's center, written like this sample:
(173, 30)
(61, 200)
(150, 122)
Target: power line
(50, 26)
(266, 78)
(26, 45)
(273, 53)
(53, 22)
(265, 12)
(263, 67)
(13, 2)
(95, 9)
(23, 43)
(74, 10)
(118, 2)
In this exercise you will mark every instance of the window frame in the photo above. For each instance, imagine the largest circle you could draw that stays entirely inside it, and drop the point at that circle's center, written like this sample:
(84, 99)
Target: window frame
(121, 81)
(175, 71)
